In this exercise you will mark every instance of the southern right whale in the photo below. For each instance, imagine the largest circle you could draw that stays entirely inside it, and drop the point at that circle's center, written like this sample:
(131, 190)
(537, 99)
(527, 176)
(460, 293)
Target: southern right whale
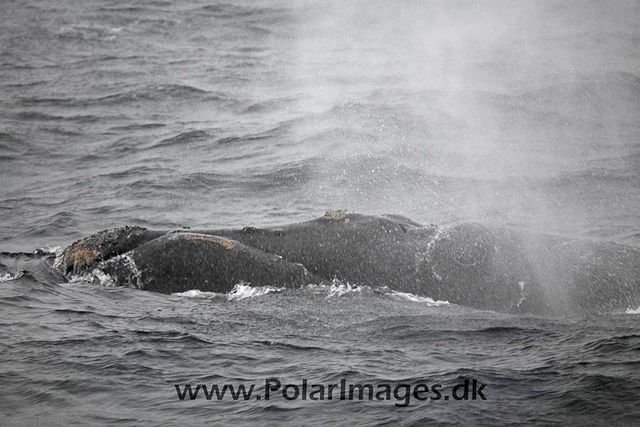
(471, 264)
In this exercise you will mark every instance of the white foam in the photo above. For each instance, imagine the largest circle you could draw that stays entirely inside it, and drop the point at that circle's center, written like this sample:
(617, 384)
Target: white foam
(87, 278)
(50, 250)
(338, 289)
(194, 293)
(632, 311)
(59, 261)
(6, 277)
(103, 278)
(245, 290)
(131, 265)
(411, 297)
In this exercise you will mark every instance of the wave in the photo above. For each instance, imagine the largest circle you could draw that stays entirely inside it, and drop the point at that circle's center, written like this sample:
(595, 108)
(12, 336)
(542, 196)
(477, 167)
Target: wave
(274, 132)
(138, 126)
(188, 137)
(232, 11)
(613, 345)
(162, 92)
(38, 116)
(11, 144)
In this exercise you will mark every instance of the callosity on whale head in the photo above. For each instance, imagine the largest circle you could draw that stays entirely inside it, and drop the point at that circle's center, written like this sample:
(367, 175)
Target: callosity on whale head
(82, 255)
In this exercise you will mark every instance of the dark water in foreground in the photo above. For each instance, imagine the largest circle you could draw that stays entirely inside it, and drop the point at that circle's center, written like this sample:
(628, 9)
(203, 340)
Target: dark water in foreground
(211, 115)
(76, 353)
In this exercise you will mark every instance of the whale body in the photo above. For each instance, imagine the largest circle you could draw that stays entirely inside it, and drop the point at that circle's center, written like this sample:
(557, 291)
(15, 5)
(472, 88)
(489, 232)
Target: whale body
(470, 264)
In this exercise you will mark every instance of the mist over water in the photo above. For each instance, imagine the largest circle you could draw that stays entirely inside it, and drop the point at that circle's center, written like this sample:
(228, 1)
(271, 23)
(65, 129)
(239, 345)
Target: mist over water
(209, 115)
(206, 115)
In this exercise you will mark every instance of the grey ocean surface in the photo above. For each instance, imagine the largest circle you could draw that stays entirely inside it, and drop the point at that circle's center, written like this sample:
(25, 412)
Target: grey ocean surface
(167, 114)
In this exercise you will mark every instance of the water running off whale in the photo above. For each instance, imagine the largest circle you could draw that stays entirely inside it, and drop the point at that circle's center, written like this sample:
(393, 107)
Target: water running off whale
(469, 264)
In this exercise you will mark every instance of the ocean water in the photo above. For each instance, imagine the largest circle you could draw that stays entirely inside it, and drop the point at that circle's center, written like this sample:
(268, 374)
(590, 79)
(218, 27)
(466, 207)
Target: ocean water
(167, 114)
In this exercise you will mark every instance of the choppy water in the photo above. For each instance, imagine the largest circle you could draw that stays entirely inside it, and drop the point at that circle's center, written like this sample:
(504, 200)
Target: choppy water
(211, 115)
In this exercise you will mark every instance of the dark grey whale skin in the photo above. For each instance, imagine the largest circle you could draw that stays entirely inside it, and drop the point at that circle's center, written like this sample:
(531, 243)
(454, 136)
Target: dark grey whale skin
(470, 264)
(178, 262)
